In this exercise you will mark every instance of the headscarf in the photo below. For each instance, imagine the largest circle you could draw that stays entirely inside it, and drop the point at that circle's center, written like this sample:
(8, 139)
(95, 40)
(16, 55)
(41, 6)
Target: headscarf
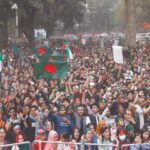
(38, 137)
(23, 146)
(50, 146)
(39, 134)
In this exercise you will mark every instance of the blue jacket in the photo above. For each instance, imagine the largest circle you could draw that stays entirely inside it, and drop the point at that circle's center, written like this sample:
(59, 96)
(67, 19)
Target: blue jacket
(60, 124)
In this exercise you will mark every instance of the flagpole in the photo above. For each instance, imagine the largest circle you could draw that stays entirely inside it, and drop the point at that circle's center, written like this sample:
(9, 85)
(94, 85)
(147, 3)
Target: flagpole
(15, 6)
(17, 32)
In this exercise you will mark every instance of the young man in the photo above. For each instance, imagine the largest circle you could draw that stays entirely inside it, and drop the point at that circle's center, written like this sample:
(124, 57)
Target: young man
(63, 122)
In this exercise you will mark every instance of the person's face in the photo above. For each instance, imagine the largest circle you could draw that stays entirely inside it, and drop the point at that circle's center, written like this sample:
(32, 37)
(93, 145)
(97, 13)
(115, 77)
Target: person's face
(121, 110)
(80, 111)
(20, 139)
(106, 134)
(146, 135)
(46, 113)
(108, 113)
(17, 130)
(12, 113)
(66, 103)
(26, 109)
(87, 101)
(77, 102)
(148, 128)
(92, 129)
(121, 122)
(7, 126)
(88, 136)
(141, 93)
(101, 105)
(94, 109)
(128, 115)
(33, 112)
(49, 126)
(63, 112)
(45, 91)
(137, 139)
(41, 100)
(2, 134)
(76, 134)
(130, 96)
(55, 138)
(27, 101)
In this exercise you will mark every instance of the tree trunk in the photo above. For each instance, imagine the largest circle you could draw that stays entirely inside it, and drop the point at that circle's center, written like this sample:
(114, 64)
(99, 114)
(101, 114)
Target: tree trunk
(29, 30)
(130, 23)
(30, 36)
(4, 34)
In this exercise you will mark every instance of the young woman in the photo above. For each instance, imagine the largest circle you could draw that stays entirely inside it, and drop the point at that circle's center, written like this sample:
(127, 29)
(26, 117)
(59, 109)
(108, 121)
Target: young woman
(87, 138)
(40, 136)
(105, 138)
(53, 136)
(145, 139)
(137, 141)
(48, 127)
(19, 139)
(2, 138)
(122, 139)
(75, 138)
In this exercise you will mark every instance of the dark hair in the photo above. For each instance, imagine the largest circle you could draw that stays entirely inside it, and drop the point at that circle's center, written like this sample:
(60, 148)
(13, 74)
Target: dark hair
(94, 104)
(73, 134)
(11, 108)
(103, 129)
(33, 107)
(64, 135)
(50, 122)
(89, 124)
(137, 134)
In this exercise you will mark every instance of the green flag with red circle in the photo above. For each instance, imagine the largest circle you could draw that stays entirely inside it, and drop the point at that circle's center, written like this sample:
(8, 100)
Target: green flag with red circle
(51, 69)
(42, 52)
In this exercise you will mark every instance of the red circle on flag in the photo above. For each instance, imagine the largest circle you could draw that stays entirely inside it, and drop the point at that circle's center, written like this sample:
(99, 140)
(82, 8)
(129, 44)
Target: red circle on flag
(125, 53)
(51, 59)
(50, 68)
(41, 50)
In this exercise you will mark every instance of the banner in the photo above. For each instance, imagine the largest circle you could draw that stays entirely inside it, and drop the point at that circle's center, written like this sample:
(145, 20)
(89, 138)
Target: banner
(146, 25)
(117, 53)
(83, 41)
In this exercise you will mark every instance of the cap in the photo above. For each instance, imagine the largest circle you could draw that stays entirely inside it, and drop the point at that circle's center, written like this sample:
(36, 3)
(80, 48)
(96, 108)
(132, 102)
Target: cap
(129, 127)
(122, 131)
(16, 127)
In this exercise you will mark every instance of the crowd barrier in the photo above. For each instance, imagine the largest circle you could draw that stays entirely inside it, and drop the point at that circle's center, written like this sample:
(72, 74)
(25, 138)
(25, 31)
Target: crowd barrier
(15, 144)
(105, 146)
(146, 146)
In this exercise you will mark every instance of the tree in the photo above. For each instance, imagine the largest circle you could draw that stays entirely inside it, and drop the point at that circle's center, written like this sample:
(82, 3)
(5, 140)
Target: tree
(5, 14)
(130, 23)
(27, 12)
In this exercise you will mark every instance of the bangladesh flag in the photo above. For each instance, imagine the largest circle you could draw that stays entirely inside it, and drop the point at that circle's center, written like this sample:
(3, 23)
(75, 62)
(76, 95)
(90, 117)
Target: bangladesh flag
(56, 56)
(68, 51)
(126, 52)
(42, 52)
(52, 68)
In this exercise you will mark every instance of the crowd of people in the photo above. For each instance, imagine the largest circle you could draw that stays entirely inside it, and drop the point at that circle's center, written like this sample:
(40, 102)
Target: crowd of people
(100, 101)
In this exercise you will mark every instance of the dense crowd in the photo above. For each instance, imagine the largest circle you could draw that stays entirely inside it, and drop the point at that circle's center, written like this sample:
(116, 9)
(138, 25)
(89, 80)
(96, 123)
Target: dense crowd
(100, 101)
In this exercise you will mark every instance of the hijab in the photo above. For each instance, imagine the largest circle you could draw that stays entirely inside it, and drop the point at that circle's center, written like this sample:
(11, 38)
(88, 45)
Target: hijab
(51, 137)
